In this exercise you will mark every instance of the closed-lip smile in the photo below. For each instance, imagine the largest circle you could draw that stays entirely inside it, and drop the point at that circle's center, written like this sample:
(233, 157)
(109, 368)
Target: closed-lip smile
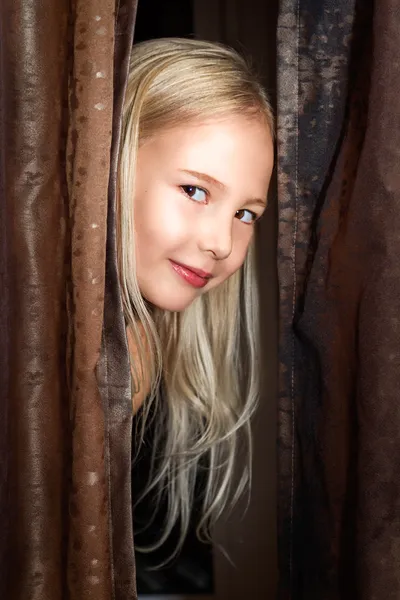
(198, 272)
(194, 277)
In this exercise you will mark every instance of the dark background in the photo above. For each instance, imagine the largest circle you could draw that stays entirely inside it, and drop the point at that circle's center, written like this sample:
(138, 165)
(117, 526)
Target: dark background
(157, 18)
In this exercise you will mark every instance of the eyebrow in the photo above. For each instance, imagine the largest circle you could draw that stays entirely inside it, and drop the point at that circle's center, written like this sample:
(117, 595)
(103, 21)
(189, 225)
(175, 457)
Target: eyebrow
(219, 184)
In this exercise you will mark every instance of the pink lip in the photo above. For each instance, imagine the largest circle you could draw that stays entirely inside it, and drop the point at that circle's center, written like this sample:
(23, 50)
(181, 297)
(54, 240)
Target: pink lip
(195, 277)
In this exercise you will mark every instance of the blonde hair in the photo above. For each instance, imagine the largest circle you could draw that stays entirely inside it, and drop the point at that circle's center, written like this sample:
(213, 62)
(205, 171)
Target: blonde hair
(204, 361)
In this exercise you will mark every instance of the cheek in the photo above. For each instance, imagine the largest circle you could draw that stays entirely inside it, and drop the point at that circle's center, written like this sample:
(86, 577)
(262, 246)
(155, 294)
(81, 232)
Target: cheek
(243, 238)
(160, 223)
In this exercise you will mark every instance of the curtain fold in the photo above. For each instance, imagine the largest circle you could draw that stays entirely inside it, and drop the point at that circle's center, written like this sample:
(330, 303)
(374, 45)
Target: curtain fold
(339, 199)
(62, 75)
(113, 369)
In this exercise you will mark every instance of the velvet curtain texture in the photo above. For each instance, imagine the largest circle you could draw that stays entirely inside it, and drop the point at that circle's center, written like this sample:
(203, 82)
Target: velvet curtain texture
(65, 412)
(339, 270)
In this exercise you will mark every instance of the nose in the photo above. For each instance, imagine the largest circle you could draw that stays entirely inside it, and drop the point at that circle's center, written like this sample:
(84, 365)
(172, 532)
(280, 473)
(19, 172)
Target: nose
(216, 237)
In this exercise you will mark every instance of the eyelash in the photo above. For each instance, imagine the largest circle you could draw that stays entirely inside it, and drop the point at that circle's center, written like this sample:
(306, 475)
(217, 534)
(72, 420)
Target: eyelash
(196, 187)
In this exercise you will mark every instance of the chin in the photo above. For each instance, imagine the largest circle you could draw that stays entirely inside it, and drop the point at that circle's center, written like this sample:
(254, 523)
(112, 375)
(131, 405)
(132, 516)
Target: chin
(167, 302)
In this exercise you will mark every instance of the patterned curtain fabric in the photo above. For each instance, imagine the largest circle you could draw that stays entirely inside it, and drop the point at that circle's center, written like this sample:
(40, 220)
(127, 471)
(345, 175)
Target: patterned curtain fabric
(65, 410)
(339, 270)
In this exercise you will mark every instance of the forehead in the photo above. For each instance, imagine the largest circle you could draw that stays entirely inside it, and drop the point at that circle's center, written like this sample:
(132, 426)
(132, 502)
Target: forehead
(233, 143)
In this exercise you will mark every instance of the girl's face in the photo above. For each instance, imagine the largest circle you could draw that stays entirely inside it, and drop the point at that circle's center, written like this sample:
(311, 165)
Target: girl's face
(199, 190)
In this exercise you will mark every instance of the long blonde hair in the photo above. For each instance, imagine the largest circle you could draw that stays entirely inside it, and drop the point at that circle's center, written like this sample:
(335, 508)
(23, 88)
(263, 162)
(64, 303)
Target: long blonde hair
(204, 361)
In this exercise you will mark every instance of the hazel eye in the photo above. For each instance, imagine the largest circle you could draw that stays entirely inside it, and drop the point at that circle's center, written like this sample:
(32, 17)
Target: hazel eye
(246, 216)
(195, 193)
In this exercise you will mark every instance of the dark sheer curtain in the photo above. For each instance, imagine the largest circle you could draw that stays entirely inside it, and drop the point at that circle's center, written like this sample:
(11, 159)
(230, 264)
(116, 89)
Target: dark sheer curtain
(339, 272)
(65, 406)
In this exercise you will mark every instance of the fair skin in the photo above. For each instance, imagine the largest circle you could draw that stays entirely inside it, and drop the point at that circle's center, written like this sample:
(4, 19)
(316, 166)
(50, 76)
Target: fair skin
(200, 188)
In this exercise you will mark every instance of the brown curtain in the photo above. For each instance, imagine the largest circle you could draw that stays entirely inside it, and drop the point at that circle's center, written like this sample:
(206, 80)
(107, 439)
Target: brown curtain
(65, 411)
(339, 271)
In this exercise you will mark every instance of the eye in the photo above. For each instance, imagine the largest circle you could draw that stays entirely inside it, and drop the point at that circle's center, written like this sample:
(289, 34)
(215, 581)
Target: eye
(195, 193)
(246, 216)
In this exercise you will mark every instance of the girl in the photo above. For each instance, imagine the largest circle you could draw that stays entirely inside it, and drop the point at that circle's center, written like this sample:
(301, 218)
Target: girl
(195, 164)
